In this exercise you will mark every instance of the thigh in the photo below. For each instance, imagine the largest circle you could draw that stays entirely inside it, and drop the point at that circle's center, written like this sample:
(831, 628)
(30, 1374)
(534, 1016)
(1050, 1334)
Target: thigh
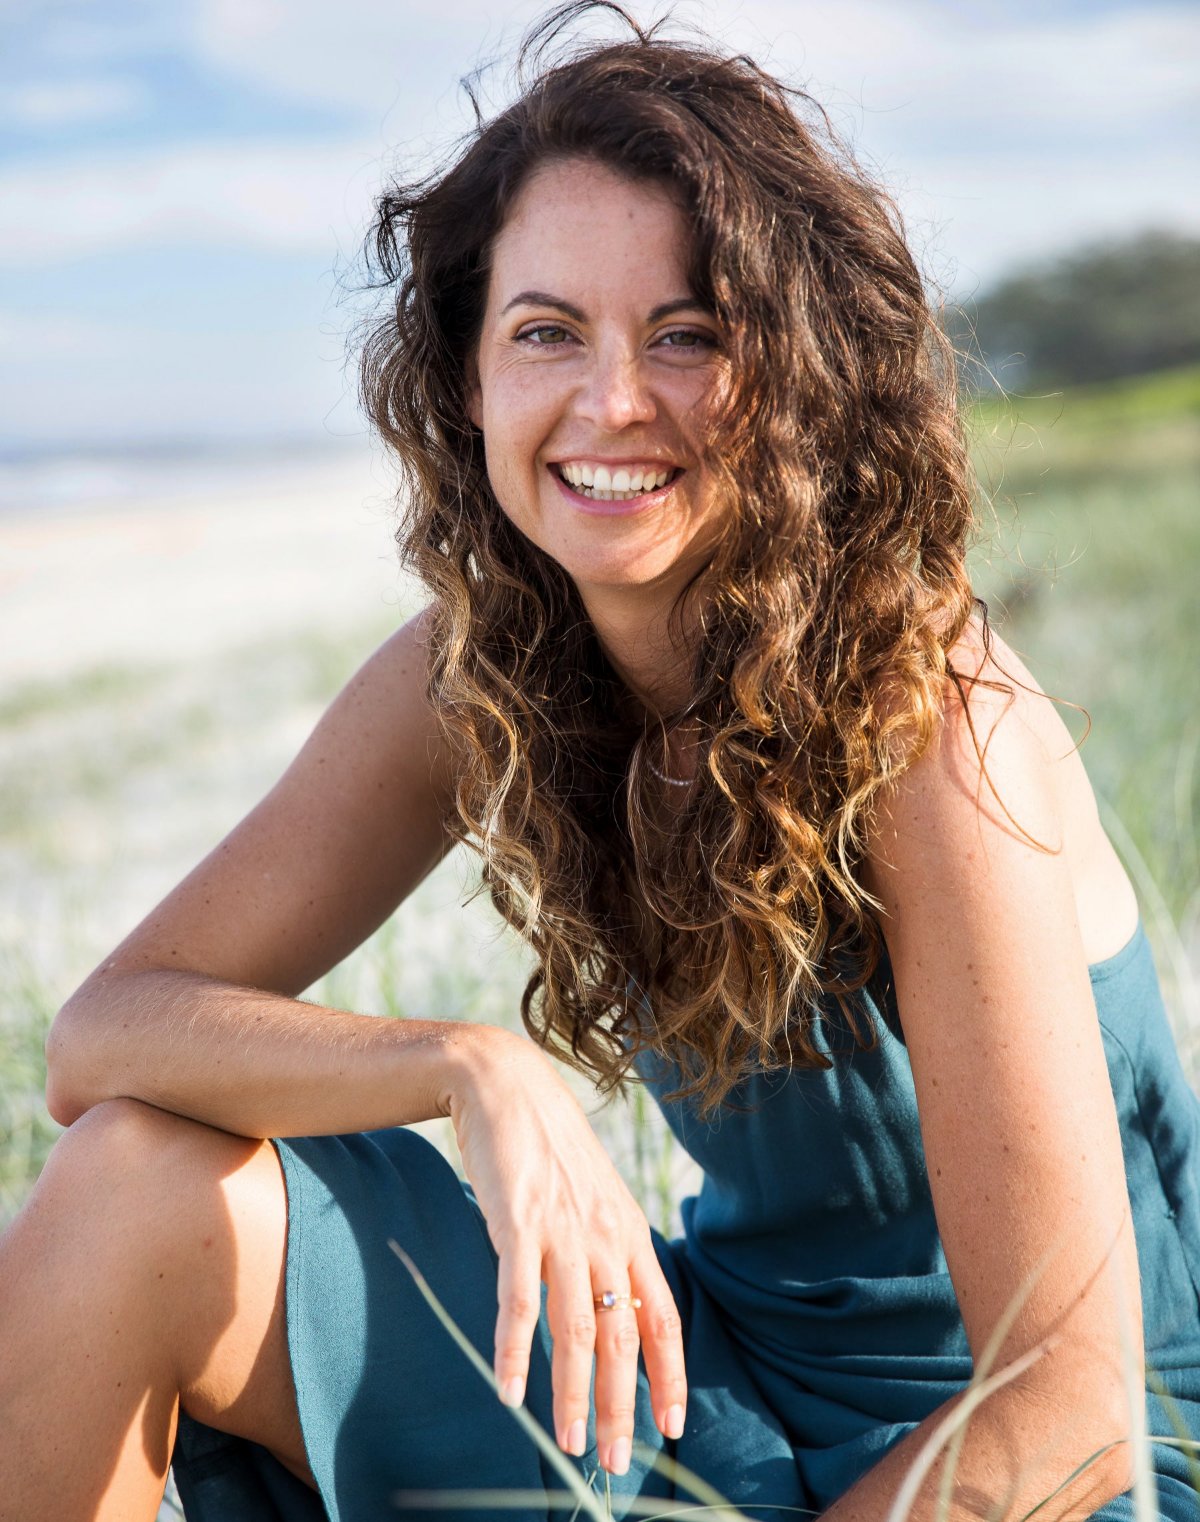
(238, 1377)
(213, 1214)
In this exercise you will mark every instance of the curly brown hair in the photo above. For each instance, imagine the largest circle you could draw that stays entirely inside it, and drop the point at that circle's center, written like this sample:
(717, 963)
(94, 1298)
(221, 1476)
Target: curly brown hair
(830, 604)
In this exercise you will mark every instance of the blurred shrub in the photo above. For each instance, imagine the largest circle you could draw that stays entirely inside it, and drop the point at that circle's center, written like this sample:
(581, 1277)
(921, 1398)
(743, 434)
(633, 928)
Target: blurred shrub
(1101, 313)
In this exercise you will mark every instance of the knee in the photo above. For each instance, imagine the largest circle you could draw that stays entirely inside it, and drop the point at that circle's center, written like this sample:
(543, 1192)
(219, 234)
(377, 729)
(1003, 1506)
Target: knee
(125, 1146)
(115, 1132)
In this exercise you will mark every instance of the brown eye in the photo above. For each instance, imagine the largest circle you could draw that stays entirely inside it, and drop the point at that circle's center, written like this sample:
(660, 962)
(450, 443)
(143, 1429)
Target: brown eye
(693, 342)
(529, 336)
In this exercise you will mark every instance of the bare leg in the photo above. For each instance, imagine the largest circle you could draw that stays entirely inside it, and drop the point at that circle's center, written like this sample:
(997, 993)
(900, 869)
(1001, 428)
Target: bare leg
(146, 1268)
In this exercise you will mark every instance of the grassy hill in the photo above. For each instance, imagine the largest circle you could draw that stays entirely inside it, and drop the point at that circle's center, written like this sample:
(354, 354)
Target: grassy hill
(1090, 548)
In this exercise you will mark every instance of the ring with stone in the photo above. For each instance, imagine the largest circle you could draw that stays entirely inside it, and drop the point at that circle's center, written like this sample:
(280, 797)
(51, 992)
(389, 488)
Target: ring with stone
(610, 1300)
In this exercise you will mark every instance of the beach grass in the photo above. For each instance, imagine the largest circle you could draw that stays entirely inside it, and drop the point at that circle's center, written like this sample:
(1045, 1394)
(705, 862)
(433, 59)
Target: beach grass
(116, 780)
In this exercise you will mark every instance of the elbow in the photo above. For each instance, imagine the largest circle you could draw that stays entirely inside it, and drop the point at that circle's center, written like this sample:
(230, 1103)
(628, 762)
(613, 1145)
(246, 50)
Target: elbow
(64, 1089)
(1126, 1424)
(1108, 1428)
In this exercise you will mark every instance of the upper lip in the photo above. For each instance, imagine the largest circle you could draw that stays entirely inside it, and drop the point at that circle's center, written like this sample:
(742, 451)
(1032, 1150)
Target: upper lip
(610, 464)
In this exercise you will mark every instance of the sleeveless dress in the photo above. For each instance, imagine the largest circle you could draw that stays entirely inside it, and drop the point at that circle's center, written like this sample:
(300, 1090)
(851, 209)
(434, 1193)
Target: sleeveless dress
(820, 1321)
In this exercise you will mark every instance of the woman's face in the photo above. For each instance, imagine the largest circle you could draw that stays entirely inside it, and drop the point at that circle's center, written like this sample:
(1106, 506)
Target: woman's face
(593, 360)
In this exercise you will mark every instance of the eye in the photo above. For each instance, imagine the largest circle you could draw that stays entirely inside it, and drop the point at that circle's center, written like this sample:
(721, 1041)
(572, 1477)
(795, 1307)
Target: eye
(531, 335)
(698, 340)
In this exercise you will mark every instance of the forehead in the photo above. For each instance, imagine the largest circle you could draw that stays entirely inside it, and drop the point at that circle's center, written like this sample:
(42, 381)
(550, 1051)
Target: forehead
(582, 222)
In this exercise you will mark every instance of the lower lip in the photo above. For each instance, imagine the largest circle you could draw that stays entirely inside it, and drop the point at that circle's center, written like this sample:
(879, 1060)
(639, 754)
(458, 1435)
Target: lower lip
(624, 509)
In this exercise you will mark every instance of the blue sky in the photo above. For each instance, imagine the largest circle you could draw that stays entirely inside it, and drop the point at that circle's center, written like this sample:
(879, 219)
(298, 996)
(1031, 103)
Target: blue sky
(184, 185)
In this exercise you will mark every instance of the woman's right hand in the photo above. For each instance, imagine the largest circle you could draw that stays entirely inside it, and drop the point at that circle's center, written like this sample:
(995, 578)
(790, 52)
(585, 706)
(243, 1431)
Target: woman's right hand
(557, 1210)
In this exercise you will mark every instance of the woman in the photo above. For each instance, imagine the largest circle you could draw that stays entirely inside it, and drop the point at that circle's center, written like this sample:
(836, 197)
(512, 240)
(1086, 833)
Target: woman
(701, 679)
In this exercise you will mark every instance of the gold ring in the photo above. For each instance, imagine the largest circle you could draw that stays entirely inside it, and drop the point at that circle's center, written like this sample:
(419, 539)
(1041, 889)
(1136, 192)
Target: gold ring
(610, 1300)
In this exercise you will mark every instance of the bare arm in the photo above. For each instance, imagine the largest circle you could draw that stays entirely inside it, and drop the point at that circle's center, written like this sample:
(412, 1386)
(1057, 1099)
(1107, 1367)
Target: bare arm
(196, 1011)
(1019, 1127)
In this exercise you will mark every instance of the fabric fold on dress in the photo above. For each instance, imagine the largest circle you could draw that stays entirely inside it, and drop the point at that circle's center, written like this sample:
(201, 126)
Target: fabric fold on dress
(820, 1320)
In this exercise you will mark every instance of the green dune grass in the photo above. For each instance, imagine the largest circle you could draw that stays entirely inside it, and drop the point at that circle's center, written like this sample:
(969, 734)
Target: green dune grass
(1090, 540)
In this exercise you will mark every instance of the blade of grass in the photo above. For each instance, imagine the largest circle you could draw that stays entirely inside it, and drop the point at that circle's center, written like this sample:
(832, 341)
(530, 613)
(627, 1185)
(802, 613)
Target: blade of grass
(649, 1508)
(1145, 1501)
(676, 1471)
(973, 1396)
(680, 1474)
(484, 1497)
(991, 1351)
(549, 1449)
(804, 1511)
(1075, 1473)
(1184, 1443)
(512, 1499)
(1182, 1439)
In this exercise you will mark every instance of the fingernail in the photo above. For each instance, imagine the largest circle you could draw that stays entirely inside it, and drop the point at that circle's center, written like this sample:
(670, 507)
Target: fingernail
(618, 1456)
(577, 1437)
(514, 1391)
(673, 1426)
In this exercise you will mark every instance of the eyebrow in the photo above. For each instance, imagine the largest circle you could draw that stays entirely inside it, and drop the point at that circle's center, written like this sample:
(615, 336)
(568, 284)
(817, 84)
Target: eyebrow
(541, 299)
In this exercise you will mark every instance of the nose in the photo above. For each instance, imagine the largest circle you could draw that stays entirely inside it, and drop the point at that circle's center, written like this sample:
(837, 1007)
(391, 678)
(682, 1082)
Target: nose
(615, 393)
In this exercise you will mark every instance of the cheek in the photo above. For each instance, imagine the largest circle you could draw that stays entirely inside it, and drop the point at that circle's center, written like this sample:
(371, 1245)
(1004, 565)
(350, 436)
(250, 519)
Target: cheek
(514, 486)
(512, 436)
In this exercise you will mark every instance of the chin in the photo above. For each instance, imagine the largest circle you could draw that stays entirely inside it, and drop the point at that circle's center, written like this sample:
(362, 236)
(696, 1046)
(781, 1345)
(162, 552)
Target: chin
(617, 556)
(615, 573)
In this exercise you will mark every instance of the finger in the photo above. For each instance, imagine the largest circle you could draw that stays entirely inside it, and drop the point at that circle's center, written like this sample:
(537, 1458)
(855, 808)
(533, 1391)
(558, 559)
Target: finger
(662, 1340)
(519, 1302)
(572, 1318)
(617, 1343)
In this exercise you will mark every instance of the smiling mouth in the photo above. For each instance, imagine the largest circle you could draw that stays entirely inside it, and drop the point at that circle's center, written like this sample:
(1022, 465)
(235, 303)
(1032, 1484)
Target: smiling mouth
(604, 485)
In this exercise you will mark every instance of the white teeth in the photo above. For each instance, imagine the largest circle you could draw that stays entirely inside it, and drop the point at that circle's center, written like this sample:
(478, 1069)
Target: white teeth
(613, 486)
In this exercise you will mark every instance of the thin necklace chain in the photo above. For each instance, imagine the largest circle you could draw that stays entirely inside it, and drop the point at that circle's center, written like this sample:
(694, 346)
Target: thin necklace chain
(662, 776)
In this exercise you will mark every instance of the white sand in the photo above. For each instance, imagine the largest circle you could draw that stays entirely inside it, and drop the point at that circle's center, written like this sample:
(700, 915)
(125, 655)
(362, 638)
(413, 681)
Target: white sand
(166, 579)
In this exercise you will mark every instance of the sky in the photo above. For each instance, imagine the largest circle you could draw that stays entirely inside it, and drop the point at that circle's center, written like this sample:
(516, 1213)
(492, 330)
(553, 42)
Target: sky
(184, 186)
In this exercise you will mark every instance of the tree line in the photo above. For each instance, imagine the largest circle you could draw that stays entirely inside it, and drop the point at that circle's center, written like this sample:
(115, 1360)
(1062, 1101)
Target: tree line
(1103, 312)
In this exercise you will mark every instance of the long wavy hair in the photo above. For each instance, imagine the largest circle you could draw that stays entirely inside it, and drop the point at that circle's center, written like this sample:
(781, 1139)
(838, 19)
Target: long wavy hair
(829, 606)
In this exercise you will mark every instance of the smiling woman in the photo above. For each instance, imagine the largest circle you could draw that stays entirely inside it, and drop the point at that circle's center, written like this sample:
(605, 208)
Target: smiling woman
(703, 682)
(610, 393)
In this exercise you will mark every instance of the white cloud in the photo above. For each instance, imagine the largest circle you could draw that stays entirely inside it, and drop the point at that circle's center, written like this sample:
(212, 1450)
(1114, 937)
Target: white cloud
(983, 217)
(917, 61)
(56, 103)
(375, 60)
(140, 26)
(966, 115)
(285, 196)
(897, 71)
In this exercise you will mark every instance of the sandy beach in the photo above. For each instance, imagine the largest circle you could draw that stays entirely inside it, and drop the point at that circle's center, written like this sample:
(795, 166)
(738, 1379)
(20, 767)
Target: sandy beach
(187, 575)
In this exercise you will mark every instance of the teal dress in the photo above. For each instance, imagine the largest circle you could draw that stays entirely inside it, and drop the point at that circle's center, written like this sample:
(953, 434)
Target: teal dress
(820, 1321)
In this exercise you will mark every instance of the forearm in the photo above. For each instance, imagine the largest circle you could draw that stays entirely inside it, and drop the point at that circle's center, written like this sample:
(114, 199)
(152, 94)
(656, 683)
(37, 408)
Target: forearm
(250, 1062)
(1017, 1449)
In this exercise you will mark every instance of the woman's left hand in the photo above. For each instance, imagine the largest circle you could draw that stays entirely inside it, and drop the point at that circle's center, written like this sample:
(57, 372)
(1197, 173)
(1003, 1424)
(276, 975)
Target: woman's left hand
(557, 1210)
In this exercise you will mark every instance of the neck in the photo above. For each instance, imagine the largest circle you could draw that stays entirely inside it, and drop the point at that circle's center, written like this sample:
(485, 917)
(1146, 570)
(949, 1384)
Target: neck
(653, 658)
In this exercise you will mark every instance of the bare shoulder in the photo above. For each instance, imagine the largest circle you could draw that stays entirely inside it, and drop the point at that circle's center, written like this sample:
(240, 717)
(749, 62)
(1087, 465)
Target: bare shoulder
(383, 716)
(352, 826)
(1004, 766)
